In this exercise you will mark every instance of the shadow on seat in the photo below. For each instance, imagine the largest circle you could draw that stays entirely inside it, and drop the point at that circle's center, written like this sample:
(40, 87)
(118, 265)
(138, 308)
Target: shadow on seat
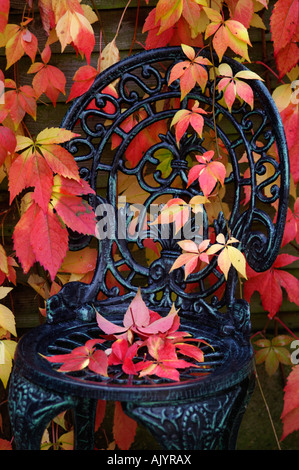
(125, 138)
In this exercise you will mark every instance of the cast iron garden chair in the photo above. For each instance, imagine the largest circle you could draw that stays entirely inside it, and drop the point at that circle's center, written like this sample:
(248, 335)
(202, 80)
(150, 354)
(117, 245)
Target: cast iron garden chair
(203, 410)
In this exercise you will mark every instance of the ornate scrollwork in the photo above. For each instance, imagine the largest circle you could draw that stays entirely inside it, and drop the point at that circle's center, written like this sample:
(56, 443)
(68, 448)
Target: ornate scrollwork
(141, 85)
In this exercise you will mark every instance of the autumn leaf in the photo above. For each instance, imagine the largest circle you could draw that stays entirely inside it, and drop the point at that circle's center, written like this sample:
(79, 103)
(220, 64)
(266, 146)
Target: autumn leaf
(165, 361)
(179, 33)
(7, 319)
(242, 11)
(82, 356)
(184, 117)
(5, 444)
(229, 33)
(228, 256)
(75, 212)
(207, 173)
(38, 159)
(234, 87)
(285, 34)
(83, 78)
(4, 13)
(109, 56)
(74, 28)
(190, 72)
(290, 413)
(49, 240)
(269, 284)
(170, 11)
(18, 40)
(137, 319)
(21, 237)
(9, 348)
(290, 120)
(124, 428)
(273, 352)
(123, 353)
(175, 211)
(8, 143)
(192, 257)
(291, 230)
(48, 79)
(18, 102)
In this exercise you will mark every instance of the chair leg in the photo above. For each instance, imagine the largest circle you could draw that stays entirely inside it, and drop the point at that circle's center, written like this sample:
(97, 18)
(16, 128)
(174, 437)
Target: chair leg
(191, 425)
(31, 409)
(85, 413)
(229, 438)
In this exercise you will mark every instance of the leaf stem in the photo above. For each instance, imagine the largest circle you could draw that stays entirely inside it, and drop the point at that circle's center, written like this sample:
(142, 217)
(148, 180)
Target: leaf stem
(121, 19)
(267, 408)
(100, 20)
(135, 29)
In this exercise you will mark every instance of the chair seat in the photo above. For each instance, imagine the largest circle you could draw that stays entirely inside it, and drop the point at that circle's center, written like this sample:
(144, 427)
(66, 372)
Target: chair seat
(227, 363)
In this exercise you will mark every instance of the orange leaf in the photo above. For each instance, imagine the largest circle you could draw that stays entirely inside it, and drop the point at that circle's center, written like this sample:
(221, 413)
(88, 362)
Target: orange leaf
(124, 428)
(229, 33)
(183, 118)
(4, 12)
(73, 27)
(190, 72)
(48, 79)
(207, 173)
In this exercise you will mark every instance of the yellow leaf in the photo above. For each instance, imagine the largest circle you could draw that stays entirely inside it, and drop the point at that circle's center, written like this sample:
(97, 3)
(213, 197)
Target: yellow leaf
(89, 14)
(282, 96)
(237, 260)
(109, 56)
(66, 441)
(257, 22)
(4, 291)
(7, 320)
(54, 135)
(8, 348)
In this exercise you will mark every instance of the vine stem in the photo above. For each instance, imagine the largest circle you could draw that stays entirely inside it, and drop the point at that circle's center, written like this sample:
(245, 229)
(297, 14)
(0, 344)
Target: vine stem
(121, 19)
(135, 30)
(100, 20)
(267, 408)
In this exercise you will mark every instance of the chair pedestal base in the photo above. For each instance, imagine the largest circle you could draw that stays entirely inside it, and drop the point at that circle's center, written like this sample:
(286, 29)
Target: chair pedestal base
(196, 425)
(32, 408)
(191, 425)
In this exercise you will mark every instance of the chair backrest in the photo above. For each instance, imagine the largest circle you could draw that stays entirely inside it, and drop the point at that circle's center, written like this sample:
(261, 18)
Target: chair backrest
(128, 152)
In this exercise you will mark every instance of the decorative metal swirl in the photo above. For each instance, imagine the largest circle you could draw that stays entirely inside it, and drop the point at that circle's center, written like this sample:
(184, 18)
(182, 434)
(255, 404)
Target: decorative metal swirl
(141, 89)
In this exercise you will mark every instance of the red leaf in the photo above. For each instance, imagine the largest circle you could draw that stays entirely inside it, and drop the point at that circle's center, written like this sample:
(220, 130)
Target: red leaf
(269, 285)
(21, 238)
(83, 78)
(207, 173)
(76, 213)
(4, 444)
(18, 102)
(124, 428)
(8, 143)
(100, 413)
(48, 79)
(49, 240)
(290, 413)
(4, 12)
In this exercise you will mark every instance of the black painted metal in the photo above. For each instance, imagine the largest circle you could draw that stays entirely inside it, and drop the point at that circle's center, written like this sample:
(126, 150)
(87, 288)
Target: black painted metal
(199, 411)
